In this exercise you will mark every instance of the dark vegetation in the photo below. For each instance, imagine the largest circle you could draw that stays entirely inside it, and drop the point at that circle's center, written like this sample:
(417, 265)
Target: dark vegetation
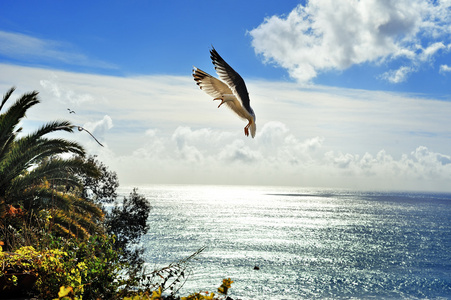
(57, 239)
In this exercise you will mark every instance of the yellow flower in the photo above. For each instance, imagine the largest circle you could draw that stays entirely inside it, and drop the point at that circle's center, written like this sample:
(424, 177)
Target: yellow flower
(64, 291)
(81, 265)
(156, 295)
(227, 282)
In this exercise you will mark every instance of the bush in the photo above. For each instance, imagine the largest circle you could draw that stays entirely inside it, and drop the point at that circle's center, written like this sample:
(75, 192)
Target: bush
(128, 223)
(101, 189)
(91, 268)
(50, 269)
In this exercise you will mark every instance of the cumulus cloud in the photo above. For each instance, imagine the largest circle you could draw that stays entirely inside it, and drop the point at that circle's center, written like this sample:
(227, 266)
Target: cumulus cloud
(334, 35)
(167, 131)
(272, 134)
(238, 152)
(285, 160)
(99, 128)
(420, 164)
(186, 139)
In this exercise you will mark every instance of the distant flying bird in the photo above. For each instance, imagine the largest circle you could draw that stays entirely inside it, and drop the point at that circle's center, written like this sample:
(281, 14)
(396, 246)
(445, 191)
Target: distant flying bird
(71, 111)
(229, 88)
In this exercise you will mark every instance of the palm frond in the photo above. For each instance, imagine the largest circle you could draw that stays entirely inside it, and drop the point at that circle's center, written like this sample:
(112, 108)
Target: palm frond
(69, 223)
(63, 231)
(27, 152)
(81, 205)
(41, 196)
(59, 125)
(6, 96)
(33, 175)
(16, 112)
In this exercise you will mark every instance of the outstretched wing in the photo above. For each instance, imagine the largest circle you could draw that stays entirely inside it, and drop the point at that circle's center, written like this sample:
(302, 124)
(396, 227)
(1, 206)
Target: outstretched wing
(209, 84)
(217, 89)
(227, 74)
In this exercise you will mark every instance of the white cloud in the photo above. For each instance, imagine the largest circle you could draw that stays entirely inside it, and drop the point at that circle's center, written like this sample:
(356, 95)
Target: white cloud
(397, 76)
(431, 50)
(30, 49)
(101, 126)
(168, 131)
(445, 69)
(334, 35)
(238, 152)
(292, 162)
(96, 133)
(63, 94)
(272, 134)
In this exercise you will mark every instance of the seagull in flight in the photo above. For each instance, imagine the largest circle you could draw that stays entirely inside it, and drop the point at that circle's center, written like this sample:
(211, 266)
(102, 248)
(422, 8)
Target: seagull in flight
(229, 88)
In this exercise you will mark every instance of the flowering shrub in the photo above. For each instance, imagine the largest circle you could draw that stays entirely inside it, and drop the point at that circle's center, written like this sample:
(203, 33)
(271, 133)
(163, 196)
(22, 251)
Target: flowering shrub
(200, 296)
(157, 295)
(66, 293)
(50, 268)
(90, 269)
(223, 289)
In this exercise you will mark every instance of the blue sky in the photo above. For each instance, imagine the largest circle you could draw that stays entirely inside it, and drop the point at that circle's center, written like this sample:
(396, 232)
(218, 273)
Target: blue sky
(147, 37)
(352, 94)
(143, 37)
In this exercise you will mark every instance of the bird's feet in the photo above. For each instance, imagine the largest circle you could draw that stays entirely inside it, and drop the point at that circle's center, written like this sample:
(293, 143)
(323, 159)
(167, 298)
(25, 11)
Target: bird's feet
(246, 131)
(222, 101)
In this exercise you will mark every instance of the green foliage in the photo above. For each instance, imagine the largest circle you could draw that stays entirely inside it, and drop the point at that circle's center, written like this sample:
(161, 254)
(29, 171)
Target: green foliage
(54, 213)
(203, 295)
(60, 244)
(52, 269)
(31, 174)
(100, 189)
(128, 223)
(19, 154)
(200, 296)
(90, 268)
(104, 276)
(66, 293)
(223, 289)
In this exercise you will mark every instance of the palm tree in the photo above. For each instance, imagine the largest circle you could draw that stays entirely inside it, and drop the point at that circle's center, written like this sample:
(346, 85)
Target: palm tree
(32, 171)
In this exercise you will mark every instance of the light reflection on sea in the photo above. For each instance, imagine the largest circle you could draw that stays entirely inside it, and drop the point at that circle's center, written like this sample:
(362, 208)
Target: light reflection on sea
(308, 243)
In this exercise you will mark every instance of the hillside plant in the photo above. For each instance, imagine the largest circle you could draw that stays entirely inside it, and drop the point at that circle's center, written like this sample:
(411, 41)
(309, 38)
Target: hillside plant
(31, 173)
(57, 239)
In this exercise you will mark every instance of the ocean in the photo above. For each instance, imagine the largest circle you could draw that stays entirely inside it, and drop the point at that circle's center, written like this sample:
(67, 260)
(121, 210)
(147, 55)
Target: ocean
(308, 243)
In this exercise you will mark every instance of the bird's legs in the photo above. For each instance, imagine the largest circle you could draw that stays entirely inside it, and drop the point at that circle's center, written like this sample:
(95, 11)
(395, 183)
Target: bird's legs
(222, 101)
(225, 98)
(246, 129)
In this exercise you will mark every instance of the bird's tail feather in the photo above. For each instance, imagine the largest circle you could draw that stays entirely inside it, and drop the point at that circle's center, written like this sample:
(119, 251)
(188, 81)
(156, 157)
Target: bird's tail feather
(253, 129)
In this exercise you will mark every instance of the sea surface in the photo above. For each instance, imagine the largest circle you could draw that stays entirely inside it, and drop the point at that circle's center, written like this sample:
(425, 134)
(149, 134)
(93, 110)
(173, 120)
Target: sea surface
(308, 243)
